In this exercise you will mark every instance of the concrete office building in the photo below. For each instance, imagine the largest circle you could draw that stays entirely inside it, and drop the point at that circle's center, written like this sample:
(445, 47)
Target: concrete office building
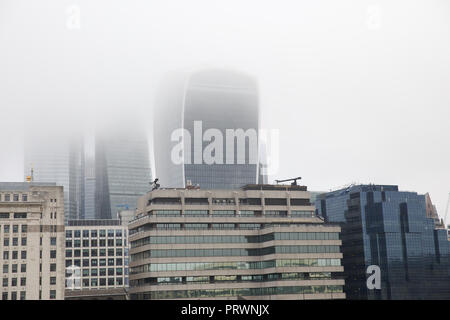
(96, 257)
(257, 242)
(391, 229)
(89, 187)
(31, 241)
(201, 102)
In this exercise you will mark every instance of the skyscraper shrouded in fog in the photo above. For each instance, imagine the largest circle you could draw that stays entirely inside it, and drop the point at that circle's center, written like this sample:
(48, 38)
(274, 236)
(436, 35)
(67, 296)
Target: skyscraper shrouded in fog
(58, 158)
(122, 169)
(205, 105)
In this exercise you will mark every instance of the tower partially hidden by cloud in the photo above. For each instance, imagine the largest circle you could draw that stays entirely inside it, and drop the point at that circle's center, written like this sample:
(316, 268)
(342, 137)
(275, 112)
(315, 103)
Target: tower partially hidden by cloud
(199, 111)
(122, 169)
(54, 157)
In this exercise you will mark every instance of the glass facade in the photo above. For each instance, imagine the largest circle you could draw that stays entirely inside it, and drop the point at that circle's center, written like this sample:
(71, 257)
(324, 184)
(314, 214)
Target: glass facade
(122, 171)
(385, 227)
(221, 100)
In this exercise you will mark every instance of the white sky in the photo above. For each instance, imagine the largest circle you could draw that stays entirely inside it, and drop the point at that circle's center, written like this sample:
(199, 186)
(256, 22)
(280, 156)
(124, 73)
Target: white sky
(360, 90)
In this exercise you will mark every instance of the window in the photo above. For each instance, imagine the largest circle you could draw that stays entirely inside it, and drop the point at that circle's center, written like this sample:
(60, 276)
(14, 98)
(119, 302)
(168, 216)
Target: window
(85, 233)
(13, 282)
(14, 268)
(110, 252)
(94, 233)
(23, 282)
(15, 255)
(23, 294)
(5, 282)
(52, 254)
(15, 241)
(52, 267)
(20, 215)
(6, 228)
(93, 252)
(53, 241)
(16, 197)
(5, 296)
(52, 294)
(69, 253)
(24, 197)
(13, 295)
(24, 228)
(77, 234)
(7, 197)
(68, 233)
(5, 268)
(23, 255)
(23, 267)
(52, 280)
(5, 255)
(24, 241)
(111, 233)
(6, 242)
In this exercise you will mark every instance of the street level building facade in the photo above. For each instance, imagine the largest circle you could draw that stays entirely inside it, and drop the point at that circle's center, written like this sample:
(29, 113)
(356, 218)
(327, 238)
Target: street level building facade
(96, 257)
(257, 242)
(32, 241)
(393, 230)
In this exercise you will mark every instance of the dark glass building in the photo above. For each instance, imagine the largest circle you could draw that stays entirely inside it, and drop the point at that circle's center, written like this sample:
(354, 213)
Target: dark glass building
(386, 227)
(219, 100)
(122, 170)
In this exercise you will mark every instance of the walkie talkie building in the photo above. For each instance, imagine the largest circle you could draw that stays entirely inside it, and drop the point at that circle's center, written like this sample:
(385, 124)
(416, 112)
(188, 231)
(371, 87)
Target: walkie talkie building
(214, 115)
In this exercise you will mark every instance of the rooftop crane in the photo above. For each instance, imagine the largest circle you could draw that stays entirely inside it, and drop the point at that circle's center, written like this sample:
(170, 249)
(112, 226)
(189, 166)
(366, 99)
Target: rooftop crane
(294, 183)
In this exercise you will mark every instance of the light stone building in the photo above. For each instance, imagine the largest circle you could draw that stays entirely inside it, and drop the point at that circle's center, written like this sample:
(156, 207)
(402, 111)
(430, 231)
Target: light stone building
(258, 242)
(32, 241)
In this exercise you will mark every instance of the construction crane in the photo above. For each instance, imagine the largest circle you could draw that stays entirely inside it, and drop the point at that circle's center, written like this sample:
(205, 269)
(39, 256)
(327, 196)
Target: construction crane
(155, 185)
(294, 183)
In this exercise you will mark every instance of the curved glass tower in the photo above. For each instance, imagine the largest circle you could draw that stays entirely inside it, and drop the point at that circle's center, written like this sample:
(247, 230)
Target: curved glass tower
(214, 114)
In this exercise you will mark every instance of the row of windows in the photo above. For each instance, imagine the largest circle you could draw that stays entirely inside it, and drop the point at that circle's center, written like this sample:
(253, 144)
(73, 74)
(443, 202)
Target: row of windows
(231, 201)
(209, 226)
(95, 252)
(95, 262)
(14, 268)
(174, 213)
(75, 272)
(94, 233)
(226, 252)
(15, 242)
(190, 294)
(235, 239)
(15, 197)
(95, 243)
(14, 255)
(15, 228)
(234, 265)
(23, 295)
(14, 282)
(232, 278)
(95, 282)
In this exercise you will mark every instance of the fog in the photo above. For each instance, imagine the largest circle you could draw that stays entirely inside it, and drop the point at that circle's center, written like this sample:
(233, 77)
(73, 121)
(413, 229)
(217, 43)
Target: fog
(358, 89)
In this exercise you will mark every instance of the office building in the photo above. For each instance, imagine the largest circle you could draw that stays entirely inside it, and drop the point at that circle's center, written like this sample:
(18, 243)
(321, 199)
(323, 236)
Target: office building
(203, 112)
(257, 242)
(96, 257)
(122, 169)
(31, 241)
(89, 186)
(56, 158)
(391, 229)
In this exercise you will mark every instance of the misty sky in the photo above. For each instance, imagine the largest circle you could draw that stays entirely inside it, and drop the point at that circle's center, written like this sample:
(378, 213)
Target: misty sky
(360, 90)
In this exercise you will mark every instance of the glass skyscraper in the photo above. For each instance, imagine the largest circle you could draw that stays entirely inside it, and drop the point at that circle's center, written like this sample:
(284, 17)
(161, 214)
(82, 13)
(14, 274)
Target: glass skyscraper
(59, 159)
(122, 170)
(216, 100)
(386, 227)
